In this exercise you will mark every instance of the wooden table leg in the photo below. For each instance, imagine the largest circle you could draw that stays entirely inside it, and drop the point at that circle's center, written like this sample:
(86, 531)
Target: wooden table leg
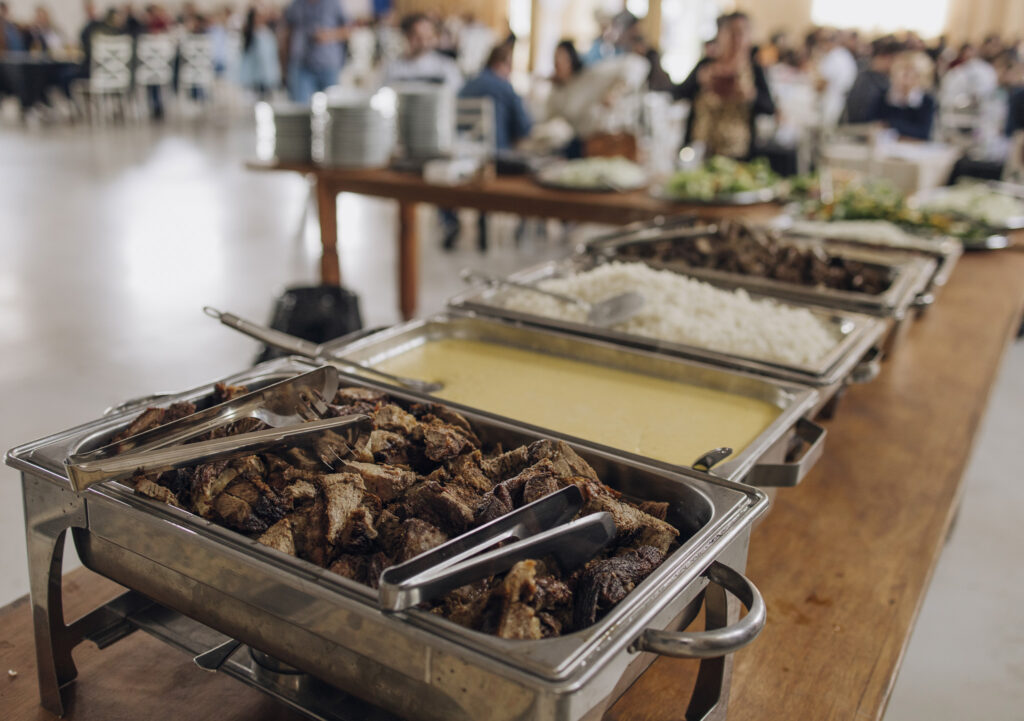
(408, 259)
(327, 210)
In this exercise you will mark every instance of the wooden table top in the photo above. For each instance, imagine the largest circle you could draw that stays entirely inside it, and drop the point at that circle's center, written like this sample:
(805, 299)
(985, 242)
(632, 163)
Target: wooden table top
(517, 194)
(843, 560)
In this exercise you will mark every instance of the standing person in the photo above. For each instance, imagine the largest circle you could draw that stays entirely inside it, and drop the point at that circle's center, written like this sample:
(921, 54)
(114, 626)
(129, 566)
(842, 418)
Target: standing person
(837, 71)
(872, 83)
(260, 69)
(727, 92)
(422, 62)
(969, 82)
(314, 33)
(12, 39)
(511, 121)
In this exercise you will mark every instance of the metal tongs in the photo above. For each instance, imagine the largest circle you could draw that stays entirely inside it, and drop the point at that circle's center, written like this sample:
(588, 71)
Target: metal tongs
(540, 528)
(294, 407)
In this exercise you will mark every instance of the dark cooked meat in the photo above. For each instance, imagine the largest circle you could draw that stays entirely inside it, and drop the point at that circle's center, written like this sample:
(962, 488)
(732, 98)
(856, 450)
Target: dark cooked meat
(605, 583)
(375, 495)
(147, 420)
(747, 250)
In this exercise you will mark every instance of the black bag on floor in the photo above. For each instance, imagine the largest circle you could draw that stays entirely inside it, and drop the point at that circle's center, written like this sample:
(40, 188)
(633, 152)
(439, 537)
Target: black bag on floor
(317, 313)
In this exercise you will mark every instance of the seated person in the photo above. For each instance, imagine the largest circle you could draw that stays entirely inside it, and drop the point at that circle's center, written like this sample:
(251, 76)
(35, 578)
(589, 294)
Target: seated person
(872, 82)
(422, 62)
(909, 106)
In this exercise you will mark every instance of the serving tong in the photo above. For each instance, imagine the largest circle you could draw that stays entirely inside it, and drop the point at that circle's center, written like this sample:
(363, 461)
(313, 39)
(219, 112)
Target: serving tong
(541, 528)
(294, 408)
(314, 351)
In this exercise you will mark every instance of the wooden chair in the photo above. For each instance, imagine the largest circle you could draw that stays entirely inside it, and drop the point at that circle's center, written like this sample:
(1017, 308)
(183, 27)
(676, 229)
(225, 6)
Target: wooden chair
(196, 76)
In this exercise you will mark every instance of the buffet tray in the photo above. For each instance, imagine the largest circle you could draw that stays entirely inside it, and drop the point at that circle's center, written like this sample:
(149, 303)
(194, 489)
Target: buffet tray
(742, 198)
(415, 663)
(909, 275)
(859, 332)
(762, 463)
(945, 251)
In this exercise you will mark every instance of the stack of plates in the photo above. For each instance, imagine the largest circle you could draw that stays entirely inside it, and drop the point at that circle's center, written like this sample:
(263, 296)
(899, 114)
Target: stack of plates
(426, 119)
(352, 133)
(284, 132)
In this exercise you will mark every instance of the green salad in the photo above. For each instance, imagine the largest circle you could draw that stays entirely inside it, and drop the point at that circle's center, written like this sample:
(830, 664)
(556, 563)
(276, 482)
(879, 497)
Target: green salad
(881, 201)
(721, 176)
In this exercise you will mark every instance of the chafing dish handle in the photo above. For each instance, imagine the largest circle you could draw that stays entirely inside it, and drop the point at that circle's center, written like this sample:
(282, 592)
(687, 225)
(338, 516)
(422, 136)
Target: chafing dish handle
(868, 368)
(923, 299)
(786, 475)
(717, 642)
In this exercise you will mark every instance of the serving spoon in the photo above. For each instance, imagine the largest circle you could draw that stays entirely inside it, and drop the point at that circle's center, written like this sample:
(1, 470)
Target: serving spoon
(603, 313)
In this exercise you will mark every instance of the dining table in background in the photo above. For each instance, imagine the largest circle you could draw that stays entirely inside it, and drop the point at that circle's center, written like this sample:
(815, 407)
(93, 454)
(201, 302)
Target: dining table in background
(517, 194)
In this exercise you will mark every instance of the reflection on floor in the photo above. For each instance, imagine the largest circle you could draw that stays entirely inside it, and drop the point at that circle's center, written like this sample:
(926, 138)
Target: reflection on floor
(114, 239)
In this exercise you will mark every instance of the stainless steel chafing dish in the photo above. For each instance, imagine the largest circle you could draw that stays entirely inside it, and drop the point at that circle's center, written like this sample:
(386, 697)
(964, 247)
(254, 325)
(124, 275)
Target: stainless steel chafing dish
(762, 463)
(910, 275)
(945, 251)
(195, 585)
(855, 358)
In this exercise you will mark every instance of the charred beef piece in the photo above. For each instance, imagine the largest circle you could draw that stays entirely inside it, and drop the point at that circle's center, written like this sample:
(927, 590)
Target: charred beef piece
(208, 481)
(390, 417)
(658, 509)
(352, 394)
(566, 463)
(506, 464)
(438, 505)
(518, 617)
(466, 605)
(443, 441)
(632, 525)
(349, 511)
(418, 537)
(386, 447)
(223, 392)
(384, 481)
(532, 483)
(147, 420)
(146, 487)
(468, 471)
(604, 583)
(280, 537)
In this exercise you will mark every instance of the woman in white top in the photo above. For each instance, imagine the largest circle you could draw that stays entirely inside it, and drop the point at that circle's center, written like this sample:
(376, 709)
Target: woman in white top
(591, 98)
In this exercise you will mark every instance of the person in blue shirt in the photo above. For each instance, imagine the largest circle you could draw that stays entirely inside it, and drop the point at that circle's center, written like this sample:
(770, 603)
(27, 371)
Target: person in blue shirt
(315, 31)
(511, 121)
(12, 38)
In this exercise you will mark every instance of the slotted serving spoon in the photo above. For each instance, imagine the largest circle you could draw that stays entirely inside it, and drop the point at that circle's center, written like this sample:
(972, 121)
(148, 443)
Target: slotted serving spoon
(314, 351)
(603, 313)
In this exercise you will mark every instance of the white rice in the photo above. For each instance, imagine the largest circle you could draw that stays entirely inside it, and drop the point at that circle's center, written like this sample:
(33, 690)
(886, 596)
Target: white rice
(688, 311)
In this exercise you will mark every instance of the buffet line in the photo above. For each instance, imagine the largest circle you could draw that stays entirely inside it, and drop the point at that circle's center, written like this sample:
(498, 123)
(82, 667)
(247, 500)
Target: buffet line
(505, 511)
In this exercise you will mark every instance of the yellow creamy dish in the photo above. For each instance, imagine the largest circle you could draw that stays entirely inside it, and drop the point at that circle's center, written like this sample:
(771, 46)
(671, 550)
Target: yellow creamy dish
(657, 418)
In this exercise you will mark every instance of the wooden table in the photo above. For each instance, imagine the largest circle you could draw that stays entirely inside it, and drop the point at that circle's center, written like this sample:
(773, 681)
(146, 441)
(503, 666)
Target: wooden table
(843, 560)
(515, 194)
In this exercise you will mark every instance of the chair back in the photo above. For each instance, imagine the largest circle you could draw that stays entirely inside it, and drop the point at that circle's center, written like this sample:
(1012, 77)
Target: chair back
(474, 124)
(196, 67)
(110, 69)
(154, 60)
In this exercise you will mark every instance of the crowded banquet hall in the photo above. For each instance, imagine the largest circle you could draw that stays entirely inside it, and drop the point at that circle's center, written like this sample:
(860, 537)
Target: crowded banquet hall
(524, 360)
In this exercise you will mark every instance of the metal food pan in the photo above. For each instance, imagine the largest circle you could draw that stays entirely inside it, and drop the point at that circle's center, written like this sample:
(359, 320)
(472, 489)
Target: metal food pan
(762, 463)
(415, 664)
(945, 251)
(859, 332)
(909, 276)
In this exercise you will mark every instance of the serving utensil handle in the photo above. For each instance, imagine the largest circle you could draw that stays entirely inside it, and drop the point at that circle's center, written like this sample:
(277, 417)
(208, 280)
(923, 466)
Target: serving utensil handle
(478, 275)
(275, 338)
(717, 642)
(786, 475)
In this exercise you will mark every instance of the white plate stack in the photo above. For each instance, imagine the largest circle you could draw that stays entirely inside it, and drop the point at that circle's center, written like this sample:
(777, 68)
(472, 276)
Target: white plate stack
(284, 132)
(352, 132)
(426, 119)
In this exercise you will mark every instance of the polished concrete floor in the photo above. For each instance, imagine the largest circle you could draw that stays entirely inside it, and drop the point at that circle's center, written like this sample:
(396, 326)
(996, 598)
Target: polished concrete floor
(112, 241)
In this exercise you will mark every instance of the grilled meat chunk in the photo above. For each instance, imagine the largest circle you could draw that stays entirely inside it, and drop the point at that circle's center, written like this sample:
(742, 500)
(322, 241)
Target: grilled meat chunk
(280, 537)
(418, 537)
(604, 583)
(147, 420)
(518, 618)
(443, 441)
(566, 463)
(390, 417)
(631, 524)
(208, 481)
(438, 505)
(146, 487)
(384, 481)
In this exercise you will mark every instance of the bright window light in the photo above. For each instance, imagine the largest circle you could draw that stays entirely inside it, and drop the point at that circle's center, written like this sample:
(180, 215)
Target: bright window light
(925, 17)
